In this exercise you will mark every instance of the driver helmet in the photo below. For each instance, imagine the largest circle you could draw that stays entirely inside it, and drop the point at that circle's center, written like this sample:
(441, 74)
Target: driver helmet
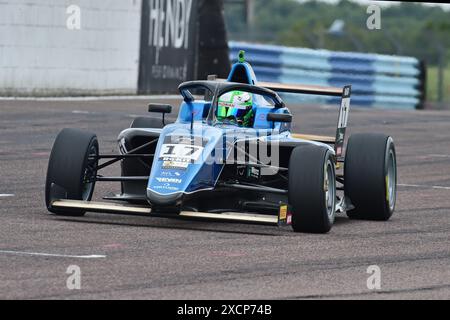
(235, 107)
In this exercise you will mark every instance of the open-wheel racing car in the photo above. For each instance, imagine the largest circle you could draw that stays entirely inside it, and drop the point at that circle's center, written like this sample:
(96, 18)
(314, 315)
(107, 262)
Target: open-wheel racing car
(230, 156)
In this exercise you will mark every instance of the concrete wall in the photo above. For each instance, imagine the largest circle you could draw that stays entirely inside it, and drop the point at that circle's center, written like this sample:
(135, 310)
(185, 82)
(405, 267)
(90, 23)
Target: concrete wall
(39, 55)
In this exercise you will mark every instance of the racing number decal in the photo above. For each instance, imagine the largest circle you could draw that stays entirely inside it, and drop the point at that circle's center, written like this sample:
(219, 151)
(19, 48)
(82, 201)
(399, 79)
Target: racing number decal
(169, 150)
(192, 150)
(180, 152)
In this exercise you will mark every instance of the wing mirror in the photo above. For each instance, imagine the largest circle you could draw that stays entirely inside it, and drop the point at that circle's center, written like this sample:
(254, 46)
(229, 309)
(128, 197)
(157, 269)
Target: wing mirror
(279, 117)
(160, 108)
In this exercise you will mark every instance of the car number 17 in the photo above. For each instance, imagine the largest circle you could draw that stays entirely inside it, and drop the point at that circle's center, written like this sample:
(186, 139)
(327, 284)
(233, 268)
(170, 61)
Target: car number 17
(180, 151)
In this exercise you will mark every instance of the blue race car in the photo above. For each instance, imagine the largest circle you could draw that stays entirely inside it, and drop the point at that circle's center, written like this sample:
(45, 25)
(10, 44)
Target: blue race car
(230, 156)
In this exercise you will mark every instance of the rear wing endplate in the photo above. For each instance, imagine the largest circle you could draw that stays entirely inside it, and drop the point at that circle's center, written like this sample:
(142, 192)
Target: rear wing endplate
(342, 120)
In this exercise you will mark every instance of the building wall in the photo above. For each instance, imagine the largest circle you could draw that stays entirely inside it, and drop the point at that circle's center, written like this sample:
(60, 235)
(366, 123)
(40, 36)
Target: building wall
(40, 55)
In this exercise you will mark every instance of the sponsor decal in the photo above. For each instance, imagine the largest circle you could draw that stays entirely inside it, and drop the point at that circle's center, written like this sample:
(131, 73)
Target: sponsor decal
(180, 152)
(289, 218)
(343, 113)
(169, 24)
(254, 172)
(169, 180)
(170, 173)
(165, 187)
(248, 171)
(283, 212)
(170, 164)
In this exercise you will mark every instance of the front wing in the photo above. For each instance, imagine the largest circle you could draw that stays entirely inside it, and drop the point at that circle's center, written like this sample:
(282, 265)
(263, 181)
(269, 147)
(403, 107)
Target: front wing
(283, 217)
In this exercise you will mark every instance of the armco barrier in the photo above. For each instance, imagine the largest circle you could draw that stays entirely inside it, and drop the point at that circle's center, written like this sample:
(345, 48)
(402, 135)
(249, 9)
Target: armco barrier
(381, 81)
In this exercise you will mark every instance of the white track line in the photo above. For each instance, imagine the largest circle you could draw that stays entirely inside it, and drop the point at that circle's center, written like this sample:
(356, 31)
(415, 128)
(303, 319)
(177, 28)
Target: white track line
(81, 112)
(92, 256)
(440, 155)
(423, 186)
(6, 195)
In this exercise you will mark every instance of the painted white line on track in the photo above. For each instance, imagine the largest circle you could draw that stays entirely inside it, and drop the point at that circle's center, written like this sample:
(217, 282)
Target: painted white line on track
(81, 112)
(92, 256)
(423, 186)
(93, 98)
(4, 195)
(439, 155)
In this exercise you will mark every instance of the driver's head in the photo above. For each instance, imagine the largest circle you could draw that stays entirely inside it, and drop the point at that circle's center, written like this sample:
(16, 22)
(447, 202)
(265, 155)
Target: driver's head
(236, 107)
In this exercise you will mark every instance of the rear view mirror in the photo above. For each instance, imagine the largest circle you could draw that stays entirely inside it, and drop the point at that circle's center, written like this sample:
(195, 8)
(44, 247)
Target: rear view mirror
(279, 117)
(160, 108)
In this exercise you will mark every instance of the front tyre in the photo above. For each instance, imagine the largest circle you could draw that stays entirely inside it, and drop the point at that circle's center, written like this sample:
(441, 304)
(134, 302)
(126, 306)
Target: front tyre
(312, 189)
(72, 169)
(370, 176)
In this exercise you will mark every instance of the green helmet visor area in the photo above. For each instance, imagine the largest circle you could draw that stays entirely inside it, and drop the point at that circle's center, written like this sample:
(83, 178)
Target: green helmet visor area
(235, 106)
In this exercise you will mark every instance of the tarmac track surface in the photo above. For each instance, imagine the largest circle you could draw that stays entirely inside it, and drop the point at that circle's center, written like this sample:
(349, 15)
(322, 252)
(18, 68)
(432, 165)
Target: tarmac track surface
(154, 258)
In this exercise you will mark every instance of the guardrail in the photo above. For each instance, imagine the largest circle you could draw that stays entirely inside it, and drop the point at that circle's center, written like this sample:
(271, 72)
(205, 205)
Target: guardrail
(381, 81)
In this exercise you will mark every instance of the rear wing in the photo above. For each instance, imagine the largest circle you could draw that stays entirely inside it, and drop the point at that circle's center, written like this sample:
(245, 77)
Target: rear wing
(302, 89)
(344, 93)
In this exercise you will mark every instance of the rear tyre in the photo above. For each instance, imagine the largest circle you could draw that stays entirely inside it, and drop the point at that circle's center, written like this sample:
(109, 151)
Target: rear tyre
(312, 189)
(72, 169)
(370, 176)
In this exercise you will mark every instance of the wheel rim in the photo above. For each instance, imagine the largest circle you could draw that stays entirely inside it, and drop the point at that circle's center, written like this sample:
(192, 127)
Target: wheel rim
(90, 173)
(391, 177)
(330, 190)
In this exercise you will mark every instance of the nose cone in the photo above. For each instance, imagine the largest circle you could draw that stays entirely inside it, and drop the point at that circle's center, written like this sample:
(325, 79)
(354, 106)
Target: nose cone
(183, 163)
(158, 199)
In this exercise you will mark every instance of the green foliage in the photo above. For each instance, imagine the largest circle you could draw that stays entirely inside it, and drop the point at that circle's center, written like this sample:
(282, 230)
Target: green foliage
(432, 84)
(409, 29)
(406, 29)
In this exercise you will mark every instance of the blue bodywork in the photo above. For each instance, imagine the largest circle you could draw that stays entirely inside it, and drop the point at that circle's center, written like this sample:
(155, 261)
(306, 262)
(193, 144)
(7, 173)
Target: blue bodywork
(169, 181)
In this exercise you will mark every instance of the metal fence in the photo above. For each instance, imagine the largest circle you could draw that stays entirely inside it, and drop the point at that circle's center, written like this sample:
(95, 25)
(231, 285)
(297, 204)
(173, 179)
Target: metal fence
(381, 81)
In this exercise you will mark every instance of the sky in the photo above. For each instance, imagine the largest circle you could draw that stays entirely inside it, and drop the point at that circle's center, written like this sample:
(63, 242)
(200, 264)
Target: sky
(444, 6)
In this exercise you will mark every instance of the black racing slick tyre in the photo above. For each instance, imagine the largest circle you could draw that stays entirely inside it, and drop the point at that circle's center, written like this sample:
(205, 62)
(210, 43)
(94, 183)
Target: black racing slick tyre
(72, 169)
(146, 123)
(370, 176)
(312, 189)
